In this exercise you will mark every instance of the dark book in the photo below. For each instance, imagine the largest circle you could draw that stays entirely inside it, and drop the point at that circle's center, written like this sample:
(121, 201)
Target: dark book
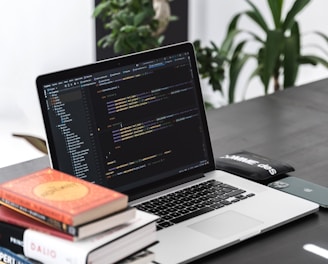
(9, 257)
(11, 237)
(10, 216)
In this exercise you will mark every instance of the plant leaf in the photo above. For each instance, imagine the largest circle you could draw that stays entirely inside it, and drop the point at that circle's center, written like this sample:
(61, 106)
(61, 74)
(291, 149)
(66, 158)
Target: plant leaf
(296, 8)
(128, 29)
(290, 62)
(313, 60)
(210, 64)
(271, 53)
(325, 38)
(291, 55)
(228, 41)
(139, 18)
(100, 8)
(256, 16)
(233, 23)
(38, 143)
(321, 35)
(255, 36)
(276, 7)
(236, 65)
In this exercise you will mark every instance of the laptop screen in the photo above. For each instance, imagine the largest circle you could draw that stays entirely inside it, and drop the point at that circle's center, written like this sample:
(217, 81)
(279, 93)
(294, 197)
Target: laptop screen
(130, 121)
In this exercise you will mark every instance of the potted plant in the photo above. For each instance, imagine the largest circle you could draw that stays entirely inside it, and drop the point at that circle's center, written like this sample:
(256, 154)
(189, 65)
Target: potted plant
(279, 54)
(133, 25)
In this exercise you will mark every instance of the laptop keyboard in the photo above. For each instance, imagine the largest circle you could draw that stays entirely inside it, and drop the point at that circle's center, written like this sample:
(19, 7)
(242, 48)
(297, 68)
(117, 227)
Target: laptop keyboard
(187, 203)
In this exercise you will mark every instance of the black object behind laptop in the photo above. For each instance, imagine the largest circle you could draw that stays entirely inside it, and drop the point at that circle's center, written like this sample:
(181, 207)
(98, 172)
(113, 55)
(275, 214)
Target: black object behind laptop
(253, 166)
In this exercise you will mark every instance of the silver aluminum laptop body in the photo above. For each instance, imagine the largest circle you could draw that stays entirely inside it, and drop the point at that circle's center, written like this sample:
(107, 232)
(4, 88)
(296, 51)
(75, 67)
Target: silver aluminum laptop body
(202, 235)
(137, 124)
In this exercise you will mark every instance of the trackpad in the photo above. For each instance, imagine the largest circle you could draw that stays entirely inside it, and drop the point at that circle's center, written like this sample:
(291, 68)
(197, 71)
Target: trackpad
(225, 225)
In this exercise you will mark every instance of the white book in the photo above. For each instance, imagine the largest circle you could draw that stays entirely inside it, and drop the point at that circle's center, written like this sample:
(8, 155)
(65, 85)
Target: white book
(112, 245)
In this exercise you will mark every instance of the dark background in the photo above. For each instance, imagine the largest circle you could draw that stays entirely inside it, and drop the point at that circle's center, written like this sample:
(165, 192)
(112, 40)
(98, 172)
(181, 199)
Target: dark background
(177, 31)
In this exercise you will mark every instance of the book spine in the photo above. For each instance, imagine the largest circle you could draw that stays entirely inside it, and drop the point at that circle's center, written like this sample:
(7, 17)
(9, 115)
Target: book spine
(68, 229)
(11, 237)
(7, 196)
(9, 257)
(49, 249)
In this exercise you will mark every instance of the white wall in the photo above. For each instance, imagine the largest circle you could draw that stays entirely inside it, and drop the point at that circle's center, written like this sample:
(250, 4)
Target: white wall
(209, 20)
(37, 36)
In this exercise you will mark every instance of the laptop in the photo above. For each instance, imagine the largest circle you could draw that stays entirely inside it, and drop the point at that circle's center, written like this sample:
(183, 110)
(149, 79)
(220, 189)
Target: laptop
(137, 124)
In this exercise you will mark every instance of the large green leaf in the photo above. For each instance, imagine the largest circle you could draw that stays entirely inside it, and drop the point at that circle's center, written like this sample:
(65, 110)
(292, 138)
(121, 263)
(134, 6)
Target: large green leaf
(291, 56)
(271, 53)
(296, 8)
(237, 63)
(313, 60)
(290, 62)
(228, 41)
(276, 7)
(234, 22)
(256, 16)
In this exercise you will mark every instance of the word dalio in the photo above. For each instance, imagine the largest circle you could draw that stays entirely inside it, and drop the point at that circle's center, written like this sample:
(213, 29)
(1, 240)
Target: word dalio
(251, 162)
(43, 250)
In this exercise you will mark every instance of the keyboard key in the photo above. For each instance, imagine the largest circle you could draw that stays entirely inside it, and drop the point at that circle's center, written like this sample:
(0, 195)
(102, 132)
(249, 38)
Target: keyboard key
(165, 224)
(236, 192)
(217, 205)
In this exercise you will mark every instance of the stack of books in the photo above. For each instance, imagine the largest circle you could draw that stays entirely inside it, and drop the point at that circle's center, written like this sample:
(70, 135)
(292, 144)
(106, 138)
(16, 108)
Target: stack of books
(52, 217)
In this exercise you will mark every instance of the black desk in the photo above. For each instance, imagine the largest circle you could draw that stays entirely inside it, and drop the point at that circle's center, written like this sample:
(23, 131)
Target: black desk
(291, 125)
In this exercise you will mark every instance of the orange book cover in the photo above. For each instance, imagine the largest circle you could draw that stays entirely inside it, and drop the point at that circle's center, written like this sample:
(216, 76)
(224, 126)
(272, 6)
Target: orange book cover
(56, 195)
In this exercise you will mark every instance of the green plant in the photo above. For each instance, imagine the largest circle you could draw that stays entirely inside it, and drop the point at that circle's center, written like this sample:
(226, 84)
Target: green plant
(280, 51)
(215, 63)
(133, 25)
